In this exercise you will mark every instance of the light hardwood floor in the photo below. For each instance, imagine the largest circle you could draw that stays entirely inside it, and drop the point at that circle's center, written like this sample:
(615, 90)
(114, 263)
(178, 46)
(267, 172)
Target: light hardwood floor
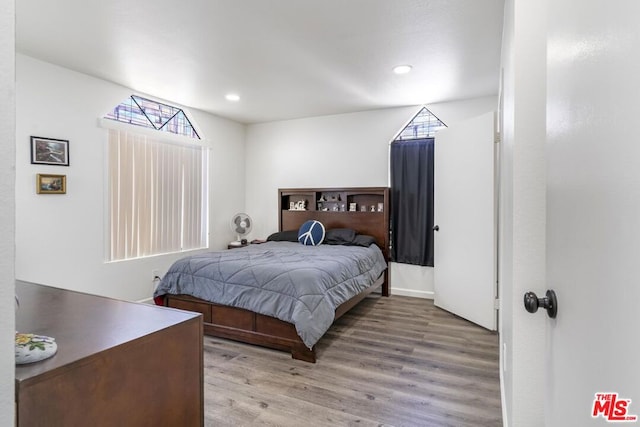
(394, 361)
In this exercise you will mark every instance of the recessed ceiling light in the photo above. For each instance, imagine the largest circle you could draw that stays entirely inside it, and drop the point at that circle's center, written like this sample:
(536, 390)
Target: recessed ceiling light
(232, 97)
(402, 69)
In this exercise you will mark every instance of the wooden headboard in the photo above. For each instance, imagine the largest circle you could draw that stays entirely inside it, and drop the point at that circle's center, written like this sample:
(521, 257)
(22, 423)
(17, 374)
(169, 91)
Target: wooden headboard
(333, 207)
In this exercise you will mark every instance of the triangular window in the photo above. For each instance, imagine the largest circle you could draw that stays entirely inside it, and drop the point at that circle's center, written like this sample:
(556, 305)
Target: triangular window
(423, 125)
(140, 111)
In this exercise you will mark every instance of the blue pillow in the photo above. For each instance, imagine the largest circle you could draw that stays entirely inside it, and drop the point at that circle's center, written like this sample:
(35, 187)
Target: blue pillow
(311, 233)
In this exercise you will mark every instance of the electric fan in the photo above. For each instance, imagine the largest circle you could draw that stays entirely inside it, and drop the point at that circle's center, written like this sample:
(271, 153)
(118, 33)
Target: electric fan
(241, 224)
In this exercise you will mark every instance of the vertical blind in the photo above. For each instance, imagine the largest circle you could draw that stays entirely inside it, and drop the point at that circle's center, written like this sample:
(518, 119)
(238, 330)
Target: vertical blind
(157, 196)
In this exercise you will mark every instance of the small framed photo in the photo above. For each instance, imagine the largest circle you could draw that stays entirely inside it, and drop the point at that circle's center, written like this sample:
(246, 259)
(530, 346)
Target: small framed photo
(380, 207)
(51, 184)
(48, 151)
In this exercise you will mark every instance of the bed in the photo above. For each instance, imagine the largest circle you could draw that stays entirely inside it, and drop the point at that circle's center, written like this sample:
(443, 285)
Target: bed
(282, 294)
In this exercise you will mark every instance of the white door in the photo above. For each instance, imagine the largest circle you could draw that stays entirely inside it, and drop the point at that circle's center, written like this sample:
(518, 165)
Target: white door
(593, 211)
(464, 245)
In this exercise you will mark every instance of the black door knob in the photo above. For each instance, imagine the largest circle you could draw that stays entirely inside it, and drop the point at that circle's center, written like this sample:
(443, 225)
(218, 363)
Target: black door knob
(436, 227)
(549, 303)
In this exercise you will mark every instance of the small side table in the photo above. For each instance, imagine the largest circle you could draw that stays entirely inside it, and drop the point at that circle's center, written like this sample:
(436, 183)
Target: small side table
(237, 246)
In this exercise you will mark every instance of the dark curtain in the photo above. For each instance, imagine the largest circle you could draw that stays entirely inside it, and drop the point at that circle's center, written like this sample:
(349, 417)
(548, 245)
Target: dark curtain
(412, 201)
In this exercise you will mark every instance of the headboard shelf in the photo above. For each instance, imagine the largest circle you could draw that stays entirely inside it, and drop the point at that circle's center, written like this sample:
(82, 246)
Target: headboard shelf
(364, 209)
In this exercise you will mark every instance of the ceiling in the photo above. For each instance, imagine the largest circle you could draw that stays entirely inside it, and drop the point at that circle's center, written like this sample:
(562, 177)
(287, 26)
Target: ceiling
(285, 58)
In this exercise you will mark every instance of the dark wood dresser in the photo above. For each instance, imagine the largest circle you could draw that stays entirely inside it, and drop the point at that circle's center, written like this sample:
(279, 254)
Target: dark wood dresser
(118, 363)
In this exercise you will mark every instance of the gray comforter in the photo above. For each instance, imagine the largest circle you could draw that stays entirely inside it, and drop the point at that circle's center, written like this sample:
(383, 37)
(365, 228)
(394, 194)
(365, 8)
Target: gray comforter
(298, 284)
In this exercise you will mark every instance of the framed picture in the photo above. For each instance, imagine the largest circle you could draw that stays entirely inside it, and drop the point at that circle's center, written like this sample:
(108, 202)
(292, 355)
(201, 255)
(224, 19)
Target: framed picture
(48, 151)
(51, 184)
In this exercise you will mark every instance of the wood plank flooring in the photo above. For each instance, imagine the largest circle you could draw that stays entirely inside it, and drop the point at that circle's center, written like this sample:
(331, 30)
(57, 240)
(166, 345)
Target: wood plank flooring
(394, 361)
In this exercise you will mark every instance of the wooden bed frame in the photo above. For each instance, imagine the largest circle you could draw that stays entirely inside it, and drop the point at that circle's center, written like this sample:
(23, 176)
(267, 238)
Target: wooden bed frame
(323, 204)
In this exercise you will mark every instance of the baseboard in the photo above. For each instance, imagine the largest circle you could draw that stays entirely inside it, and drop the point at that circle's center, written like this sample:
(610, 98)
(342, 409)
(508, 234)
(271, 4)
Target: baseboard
(147, 301)
(412, 293)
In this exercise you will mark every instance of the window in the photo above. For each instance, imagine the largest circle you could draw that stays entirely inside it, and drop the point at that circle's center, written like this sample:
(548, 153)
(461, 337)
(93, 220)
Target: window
(423, 125)
(157, 195)
(411, 161)
(144, 112)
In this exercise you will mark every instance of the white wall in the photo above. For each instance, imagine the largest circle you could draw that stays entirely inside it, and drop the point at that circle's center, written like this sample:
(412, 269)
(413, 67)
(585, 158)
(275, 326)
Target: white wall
(456, 111)
(522, 210)
(60, 239)
(345, 150)
(7, 210)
